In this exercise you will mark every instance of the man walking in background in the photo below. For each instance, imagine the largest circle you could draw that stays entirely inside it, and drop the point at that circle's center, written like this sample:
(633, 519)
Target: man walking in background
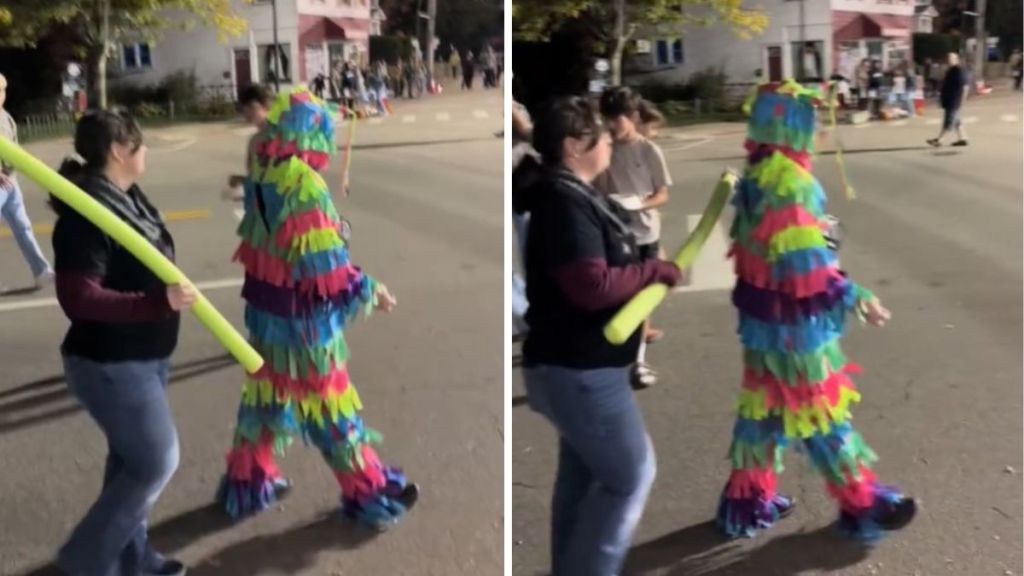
(12, 205)
(951, 96)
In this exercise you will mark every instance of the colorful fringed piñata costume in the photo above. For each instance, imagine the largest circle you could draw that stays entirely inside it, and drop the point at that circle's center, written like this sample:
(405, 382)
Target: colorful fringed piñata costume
(301, 290)
(793, 302)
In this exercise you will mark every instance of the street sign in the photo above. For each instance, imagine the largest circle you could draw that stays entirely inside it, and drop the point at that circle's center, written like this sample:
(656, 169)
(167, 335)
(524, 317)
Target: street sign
(643, 46)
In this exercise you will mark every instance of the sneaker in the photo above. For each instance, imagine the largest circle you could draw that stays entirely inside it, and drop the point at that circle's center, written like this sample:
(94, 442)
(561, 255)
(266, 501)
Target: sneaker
(169, 568)
(960, 143)
(643, 376)
(898, 515)
(934, 142)
(44, 279)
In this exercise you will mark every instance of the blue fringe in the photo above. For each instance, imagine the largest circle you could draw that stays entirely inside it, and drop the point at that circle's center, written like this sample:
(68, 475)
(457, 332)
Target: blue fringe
(241, 499)
(303, 331)
(313, 264)
(277, 417)
(759, 432)
(801, 262)
(807, 336)
(745, 518)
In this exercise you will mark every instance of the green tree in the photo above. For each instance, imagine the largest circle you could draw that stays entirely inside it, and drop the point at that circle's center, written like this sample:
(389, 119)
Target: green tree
(95, 25)
(614, 22)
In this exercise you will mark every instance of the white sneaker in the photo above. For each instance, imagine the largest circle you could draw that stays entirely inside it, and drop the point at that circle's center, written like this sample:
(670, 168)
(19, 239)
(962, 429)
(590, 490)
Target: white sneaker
(44, 279)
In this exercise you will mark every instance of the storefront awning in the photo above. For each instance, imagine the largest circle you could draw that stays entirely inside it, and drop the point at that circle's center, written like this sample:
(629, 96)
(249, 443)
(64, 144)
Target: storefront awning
(317, 29)
(858, 25)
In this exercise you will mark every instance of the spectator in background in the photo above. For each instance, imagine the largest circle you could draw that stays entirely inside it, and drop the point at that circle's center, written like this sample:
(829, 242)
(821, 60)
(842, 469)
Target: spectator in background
(468, 71)
(12, 204)
(951, 96)
(1016, 65)
(455, 63)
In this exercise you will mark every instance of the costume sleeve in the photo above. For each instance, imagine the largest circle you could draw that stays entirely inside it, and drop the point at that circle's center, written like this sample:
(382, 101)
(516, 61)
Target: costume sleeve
(578, 262)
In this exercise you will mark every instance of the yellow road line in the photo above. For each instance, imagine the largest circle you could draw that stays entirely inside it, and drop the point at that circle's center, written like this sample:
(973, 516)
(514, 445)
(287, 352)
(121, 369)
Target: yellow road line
(178, 216)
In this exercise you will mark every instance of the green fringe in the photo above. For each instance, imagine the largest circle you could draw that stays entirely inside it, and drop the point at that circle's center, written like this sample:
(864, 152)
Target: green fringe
(296, 361)
(789, 367)
(852, 454)
(745, 455)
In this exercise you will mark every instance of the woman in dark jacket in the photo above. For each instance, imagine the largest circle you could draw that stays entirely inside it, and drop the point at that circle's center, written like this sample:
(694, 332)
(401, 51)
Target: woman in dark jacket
(124, 327)
(582, 264)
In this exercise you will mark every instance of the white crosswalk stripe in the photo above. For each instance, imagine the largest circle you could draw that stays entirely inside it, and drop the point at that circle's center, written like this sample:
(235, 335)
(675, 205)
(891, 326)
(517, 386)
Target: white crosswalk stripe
(1009, 118)
(481, 114)
(375, 121)
(970, 120)
(408, 119)
(443, 116)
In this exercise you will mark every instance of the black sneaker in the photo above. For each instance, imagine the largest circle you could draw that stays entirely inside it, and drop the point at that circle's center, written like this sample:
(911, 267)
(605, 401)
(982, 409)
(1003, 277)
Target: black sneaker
(934, 142)
(169, 568)
(787, 510)
(898, 515)
(960, 143)
(409, 496)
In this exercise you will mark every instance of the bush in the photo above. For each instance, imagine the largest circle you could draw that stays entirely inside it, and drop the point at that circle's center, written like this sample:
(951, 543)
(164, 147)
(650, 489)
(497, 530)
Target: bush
(148, 110)
(180, 87)
(390, 49)
(708, 85)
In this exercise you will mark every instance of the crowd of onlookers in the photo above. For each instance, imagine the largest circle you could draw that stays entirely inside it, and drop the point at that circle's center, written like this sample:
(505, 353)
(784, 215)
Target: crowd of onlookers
(368, 88)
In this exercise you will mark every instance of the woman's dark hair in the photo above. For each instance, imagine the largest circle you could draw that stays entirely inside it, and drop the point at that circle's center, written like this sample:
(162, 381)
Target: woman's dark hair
(572, 117)
(254, 94)
(619, 101)
(95, 134)
(649, 113)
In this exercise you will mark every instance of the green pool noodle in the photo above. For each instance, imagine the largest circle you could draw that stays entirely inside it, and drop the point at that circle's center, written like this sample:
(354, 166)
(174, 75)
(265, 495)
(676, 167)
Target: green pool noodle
(641, 306)
(48, 179)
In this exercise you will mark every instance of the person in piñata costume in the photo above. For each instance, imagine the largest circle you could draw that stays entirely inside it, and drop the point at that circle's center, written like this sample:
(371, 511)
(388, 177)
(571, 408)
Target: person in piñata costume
(301, 291)
(793, 302)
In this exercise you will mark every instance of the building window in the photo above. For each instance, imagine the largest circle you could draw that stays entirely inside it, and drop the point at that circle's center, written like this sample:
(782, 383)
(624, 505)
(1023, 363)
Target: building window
(808, 61)
(668, 52)
(267, 61)
(135, 56)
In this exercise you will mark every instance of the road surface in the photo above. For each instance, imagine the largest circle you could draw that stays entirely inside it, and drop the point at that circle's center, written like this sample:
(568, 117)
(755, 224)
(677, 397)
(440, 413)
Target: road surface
(426, 212)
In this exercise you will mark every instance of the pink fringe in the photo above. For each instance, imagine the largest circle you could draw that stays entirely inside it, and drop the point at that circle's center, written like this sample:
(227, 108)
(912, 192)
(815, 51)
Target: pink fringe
(775, 221)
(754, 270)
(365, 483)
(275, 271)
(247, 457)
(336, 381)
(856, 495)
(779, 393)
(301, 224)
(751, 483)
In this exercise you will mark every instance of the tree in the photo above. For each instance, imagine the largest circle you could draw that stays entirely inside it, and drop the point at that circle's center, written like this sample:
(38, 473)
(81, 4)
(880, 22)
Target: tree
(615, 22)
(95, 24)
(464, 23)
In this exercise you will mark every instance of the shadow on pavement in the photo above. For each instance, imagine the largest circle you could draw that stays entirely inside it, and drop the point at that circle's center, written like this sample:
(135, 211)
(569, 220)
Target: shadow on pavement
(288, 552)
(24, 291)
(50, 395)
(520, 401)
(177, 533)
(701, 550)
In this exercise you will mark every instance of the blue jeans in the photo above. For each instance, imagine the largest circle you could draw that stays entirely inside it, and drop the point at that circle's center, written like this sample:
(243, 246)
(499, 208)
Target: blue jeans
(606, 465)
(128, 401)
(12, 208)
(519, 302)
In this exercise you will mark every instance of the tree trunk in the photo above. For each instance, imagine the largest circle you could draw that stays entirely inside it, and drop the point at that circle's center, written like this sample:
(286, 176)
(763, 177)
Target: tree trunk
(105, 42)
(620, 42)
(96, 76)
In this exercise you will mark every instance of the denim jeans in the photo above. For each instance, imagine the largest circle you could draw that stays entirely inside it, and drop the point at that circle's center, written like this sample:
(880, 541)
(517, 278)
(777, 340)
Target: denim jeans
(128, 401)
(606, 465)
(12, 208)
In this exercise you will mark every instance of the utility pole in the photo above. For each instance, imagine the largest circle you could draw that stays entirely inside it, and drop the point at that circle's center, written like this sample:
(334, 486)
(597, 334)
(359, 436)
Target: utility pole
(276, 53)
(802, 77)
(980, 42)
(431, 18)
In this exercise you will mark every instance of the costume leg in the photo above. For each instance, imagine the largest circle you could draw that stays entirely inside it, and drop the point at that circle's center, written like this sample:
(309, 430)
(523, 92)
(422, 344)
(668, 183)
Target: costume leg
(266, 425)
(866, 507)
(371, 492)
(750, 501)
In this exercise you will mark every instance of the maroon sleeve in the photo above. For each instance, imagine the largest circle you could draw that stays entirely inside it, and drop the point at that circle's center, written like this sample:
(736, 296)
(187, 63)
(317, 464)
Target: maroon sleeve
(82, 297)
(593, 285)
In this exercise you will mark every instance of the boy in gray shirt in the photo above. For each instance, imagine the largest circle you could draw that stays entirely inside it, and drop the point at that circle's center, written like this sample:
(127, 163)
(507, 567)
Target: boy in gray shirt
(637, 180)
(12, 205)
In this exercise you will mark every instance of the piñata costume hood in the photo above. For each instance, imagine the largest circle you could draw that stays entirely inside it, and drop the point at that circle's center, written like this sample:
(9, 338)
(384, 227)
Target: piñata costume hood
(301, 291)
(793, 303)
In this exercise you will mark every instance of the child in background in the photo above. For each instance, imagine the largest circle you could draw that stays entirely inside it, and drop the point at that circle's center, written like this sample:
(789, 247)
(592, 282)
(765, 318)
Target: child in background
(637, 180)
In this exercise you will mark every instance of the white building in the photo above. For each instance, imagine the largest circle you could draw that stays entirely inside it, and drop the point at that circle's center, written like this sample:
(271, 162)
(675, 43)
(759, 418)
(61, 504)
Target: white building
(311, 35)
(819, 36)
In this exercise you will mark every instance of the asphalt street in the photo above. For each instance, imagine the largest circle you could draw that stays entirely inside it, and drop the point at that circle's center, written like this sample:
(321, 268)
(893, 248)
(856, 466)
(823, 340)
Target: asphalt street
(426, 213)
(936, 233)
